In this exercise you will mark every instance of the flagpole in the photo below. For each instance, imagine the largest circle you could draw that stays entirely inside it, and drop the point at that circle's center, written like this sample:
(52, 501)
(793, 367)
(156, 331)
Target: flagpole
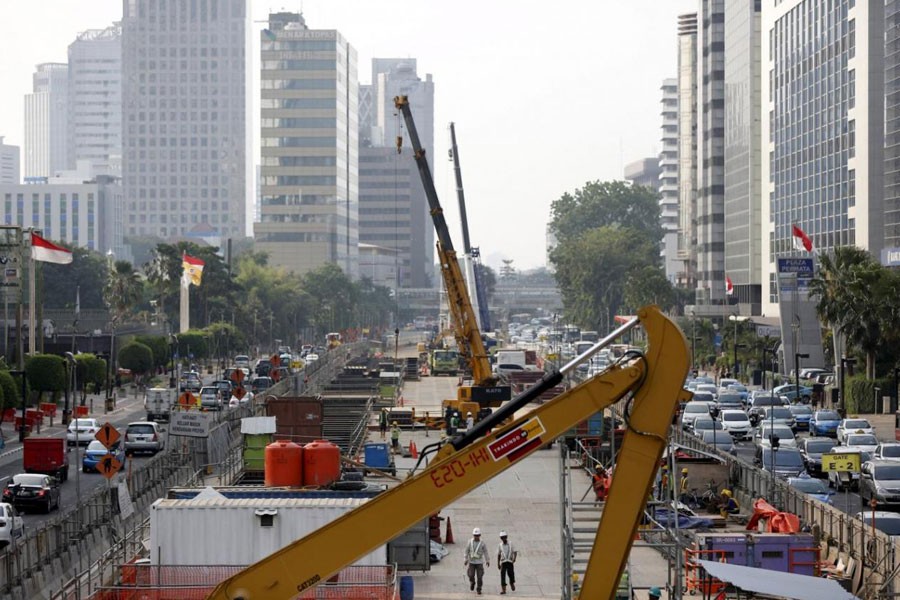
(185, 305)
(32, 348)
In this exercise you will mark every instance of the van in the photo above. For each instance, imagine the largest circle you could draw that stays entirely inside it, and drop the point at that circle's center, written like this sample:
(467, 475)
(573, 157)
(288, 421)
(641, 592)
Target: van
(158, 403)
(143, 436)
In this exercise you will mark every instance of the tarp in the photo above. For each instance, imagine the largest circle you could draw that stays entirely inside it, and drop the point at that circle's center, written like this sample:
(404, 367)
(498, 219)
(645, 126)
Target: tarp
(257, 425)
(776, 583)
(776, 521)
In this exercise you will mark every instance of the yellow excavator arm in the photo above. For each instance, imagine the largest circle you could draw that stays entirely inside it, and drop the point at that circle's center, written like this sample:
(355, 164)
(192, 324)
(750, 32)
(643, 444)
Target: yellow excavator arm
(654, 380)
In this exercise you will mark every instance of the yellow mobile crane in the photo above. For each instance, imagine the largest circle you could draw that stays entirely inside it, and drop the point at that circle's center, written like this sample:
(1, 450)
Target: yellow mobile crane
(484, 390)
(651, 382)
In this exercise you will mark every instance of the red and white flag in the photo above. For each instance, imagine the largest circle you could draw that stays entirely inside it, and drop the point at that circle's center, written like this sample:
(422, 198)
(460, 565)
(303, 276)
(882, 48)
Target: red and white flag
(729, 287)
(801, 240)
(46, 251)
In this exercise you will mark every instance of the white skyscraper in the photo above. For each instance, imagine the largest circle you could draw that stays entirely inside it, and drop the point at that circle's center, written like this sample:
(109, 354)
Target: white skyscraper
(95, 99)
(46, 108)
(668, 178)
(9, 163)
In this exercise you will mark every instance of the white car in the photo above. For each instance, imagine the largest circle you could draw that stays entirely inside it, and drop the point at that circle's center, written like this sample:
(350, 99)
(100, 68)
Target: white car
(692, 411)
(864, 441)
(887, 451)
(82, 430)
(784, 433)
(848, 426)
(736, 423)
(12, 527)
(242, 360)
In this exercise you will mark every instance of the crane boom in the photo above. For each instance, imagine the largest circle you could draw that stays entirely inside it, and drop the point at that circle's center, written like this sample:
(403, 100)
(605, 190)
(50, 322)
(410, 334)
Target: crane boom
(465, 323)
(655, 379)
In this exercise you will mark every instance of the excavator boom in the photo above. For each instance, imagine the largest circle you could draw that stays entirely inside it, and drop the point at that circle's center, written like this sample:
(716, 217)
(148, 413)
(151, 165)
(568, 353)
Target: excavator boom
(654, 381)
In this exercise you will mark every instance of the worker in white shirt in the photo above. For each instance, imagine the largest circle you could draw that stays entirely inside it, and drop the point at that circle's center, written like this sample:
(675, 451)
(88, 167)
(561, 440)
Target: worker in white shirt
(506, 560)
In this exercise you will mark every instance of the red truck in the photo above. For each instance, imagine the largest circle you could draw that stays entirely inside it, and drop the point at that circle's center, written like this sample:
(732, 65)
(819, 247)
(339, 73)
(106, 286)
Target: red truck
(46, 455)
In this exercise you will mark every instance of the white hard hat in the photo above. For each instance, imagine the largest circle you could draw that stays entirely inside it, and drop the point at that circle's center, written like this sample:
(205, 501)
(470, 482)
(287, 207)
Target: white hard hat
(503, 534)
(469, 413)
(476, 531)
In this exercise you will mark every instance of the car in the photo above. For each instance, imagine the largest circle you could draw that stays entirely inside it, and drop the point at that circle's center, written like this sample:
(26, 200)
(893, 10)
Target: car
(703, 397)
(879, 484)
(887, 451)
(504, 370)
(95, 453)
(210, 398)
(719, 440)
(81, 431)
(702, 424)
(848, 479)
(12, 526)
(884, 521)
(783, 463)
(190, 382)
(736, 423)
(741, 390)
(692, 410)
(725, 382)
(242, 360)
(263, 366)
(854, 425)
(816, 488)
(143, 436)
(802, 414)
(810, 373)
(812, 449)
(824, 422)
(708, 387)
(229, 373)
(260, 384)
(784, 434)
(866, 441)
(790, 391)
(729, 400)
(225, 387)
(760, 402)
(32, 490)
(779, 415)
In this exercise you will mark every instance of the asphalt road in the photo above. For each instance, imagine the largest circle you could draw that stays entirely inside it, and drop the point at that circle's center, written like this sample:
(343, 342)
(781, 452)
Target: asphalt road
(126, 411)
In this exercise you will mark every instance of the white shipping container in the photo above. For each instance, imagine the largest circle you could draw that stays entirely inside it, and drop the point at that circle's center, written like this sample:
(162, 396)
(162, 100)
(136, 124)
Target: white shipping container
(234, 531)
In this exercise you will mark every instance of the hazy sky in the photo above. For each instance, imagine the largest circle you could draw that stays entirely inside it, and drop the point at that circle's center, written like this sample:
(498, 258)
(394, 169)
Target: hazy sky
(545, 96)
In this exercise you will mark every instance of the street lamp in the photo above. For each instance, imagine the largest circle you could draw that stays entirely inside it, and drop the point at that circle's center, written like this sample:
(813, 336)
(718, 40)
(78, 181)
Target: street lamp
(693, 339)
(24, 398)
(797, 357)
(173, 345)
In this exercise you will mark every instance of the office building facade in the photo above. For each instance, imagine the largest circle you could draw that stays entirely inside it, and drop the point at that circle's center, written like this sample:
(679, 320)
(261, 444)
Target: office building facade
(891, 131)
(668, 178)
(95, 100)
(710, 214)
(185, 119)
(310, 147)
(822, 127)
(10, 171)
(743, 202)
(393, 209)
(46, 111)
(687, 150)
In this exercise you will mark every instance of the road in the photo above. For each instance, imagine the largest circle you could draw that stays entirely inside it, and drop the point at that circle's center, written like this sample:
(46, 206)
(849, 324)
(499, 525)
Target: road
(126, 411)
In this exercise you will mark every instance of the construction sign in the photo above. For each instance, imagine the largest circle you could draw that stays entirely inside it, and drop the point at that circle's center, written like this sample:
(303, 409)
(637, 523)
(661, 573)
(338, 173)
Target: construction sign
(109, 465)
(108, 435)
(833, 461)
(187, 401)
(239, 393)
(237, 376)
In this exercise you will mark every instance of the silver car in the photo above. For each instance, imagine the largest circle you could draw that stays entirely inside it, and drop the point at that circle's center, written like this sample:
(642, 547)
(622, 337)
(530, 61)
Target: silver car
(144, 436)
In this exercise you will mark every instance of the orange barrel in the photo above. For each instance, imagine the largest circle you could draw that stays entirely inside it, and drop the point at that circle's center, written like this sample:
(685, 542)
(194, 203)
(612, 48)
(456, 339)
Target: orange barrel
(321, 463)
(283, 464)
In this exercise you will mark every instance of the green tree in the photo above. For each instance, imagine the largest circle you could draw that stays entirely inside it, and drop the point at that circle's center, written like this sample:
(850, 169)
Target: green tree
(334, 295)
(88, 273)
(159, 345)
(10, 389)
(136, 357)
(194, 342)
(123, 290)
(90, 372)
(648, 285)
(46, 373)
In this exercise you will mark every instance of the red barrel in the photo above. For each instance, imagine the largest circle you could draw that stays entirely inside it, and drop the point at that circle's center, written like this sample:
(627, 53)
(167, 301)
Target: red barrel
(321, 463)
(283, 464)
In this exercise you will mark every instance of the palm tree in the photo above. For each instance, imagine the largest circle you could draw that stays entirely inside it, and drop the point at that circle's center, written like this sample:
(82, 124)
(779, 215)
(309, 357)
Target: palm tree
(831, 286)
(123, 290)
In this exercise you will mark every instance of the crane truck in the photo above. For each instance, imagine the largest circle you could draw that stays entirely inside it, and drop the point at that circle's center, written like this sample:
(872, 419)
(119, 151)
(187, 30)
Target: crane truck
(484, 389)
(650, 382)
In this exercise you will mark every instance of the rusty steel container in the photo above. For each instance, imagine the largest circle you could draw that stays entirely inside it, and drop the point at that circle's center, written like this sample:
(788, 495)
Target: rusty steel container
(321, 463)
(284, 464)
(297, 418)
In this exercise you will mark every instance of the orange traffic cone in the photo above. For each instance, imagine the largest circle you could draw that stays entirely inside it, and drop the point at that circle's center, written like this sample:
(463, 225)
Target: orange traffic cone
(449, 538)
(413, 451)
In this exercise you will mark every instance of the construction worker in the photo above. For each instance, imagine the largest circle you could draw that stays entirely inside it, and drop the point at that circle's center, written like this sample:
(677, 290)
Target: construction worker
(683, 488)
(600, 482)
(728, 505)
(382, 422)
(476, 559)
(395, 438)
(663, 488)
(654, 593)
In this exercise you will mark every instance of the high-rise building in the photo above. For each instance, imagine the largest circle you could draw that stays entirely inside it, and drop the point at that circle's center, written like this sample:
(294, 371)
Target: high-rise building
(668, 178)
(310, 147)
(710, 215)
(822, 126)
(9, 163)
(687, 150)
(95, 99)
(185, 119)
(743, 202)
(393, 210)
(644, 172)
(46, 110)
(892, 131)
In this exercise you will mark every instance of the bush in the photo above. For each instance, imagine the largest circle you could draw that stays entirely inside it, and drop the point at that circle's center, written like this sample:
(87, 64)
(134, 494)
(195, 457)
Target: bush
(194, 343)
(861, 393)
(10, 389)
(159, 345)
(136, 357)
(46, 373)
